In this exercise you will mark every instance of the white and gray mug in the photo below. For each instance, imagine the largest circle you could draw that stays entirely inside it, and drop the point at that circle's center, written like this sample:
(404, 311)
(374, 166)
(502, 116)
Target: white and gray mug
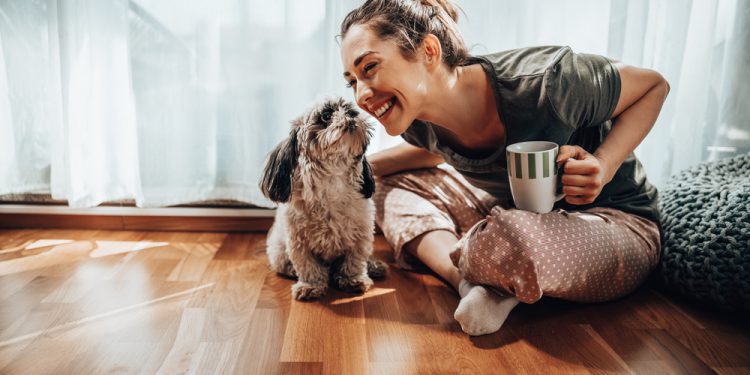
(532, 173)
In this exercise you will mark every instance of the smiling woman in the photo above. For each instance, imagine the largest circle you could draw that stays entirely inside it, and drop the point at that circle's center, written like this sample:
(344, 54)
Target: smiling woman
(408, 68)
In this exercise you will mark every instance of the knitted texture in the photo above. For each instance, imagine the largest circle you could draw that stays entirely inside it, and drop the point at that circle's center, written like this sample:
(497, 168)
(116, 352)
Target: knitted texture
(706, 224)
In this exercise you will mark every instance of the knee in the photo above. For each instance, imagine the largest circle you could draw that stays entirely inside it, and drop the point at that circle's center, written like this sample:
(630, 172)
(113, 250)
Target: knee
(398, 193)
(506, 233)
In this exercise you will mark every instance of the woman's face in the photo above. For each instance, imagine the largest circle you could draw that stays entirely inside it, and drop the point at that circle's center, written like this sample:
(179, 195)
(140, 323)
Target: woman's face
(386, 85)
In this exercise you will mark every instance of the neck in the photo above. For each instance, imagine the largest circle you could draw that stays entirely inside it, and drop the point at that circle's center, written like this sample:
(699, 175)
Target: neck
(471, 113)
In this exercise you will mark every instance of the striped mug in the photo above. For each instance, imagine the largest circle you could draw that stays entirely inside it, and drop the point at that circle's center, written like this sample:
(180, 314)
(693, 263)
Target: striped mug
(532, 173)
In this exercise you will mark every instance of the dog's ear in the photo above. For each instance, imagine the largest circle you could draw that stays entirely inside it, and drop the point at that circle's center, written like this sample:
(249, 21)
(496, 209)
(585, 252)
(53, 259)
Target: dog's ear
(368, 181)
(276, 183)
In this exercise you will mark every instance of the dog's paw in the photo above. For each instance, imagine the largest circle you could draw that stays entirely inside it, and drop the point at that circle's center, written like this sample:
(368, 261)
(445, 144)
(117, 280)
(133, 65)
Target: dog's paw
(302, 291)
(354, 284)
(376, 269)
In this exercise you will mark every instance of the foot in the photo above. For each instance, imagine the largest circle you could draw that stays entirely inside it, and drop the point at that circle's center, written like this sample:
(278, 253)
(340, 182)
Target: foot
(480, 311)
(359, 284)
(303, 291)
(376, 269)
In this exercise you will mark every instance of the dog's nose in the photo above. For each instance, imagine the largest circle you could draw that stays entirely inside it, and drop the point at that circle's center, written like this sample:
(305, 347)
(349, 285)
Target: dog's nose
(352, 126)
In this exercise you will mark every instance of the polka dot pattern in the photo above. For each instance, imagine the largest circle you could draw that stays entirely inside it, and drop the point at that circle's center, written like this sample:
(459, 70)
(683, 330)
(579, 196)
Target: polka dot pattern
(594, 255)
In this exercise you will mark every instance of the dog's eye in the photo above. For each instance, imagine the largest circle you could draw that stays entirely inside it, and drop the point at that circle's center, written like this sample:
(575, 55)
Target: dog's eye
(326, 115)
(352, 113)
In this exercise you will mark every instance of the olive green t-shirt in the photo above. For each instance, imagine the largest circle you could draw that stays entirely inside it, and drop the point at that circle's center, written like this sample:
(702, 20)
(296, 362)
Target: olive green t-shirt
(550, 94)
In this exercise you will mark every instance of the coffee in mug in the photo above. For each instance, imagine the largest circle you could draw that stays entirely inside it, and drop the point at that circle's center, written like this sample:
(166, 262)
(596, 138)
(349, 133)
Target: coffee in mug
(532, 173)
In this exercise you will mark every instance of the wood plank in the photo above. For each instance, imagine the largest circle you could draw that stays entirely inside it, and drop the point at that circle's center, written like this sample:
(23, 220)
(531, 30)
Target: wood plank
(263, 342)
(186, 346)
(676, 356)
(241, 246)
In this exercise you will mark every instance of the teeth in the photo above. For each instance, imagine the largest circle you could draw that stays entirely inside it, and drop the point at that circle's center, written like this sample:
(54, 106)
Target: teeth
(379, 112)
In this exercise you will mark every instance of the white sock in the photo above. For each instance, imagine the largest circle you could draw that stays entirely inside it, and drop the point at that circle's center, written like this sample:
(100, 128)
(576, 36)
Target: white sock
(480, 311)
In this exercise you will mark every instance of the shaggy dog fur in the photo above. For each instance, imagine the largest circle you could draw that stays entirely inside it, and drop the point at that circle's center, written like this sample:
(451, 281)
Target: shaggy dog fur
(324, 224)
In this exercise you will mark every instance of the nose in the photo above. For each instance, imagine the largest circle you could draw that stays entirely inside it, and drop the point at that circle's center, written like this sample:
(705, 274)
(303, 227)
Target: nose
(364, 92)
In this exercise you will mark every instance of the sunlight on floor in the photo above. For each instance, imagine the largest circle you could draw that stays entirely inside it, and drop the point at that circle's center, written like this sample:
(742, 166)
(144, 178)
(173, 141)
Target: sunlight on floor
(104, 248)
(370, 293)
(66, 251)
(44, 243)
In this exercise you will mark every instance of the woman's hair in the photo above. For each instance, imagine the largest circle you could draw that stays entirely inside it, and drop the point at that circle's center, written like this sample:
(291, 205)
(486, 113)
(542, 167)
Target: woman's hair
(407, 22)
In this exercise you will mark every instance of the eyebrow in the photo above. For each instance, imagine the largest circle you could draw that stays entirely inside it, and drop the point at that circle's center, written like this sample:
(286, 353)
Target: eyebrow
(358, 60)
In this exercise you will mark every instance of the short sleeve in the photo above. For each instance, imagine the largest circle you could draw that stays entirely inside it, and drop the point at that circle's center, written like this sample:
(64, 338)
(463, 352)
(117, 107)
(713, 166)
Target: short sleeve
(583, 89)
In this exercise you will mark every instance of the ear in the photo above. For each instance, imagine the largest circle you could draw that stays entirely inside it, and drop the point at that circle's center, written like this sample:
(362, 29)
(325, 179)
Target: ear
(368, 181)
(433, 51)
(276, 183)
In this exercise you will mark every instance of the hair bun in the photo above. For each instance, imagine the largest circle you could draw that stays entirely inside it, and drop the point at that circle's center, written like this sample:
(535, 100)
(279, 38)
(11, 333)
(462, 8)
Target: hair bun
(445, 5)
(407, 22)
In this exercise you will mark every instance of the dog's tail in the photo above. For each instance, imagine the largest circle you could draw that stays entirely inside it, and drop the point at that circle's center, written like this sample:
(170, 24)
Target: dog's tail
(376, 269)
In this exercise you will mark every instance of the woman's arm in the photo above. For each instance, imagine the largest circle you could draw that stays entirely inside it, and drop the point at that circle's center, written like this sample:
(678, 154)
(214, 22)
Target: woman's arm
(642, 93)
(641, 97)
(400, 158)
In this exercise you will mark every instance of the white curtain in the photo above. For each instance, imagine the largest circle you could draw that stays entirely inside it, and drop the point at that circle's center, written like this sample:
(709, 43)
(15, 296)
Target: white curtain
(168, 102)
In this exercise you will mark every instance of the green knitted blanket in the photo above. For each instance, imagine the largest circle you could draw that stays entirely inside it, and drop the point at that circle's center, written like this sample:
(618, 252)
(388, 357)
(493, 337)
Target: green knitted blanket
(706, 224)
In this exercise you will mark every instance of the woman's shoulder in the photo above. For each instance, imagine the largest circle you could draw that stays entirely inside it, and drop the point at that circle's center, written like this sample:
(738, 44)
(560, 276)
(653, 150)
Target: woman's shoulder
(521, 62)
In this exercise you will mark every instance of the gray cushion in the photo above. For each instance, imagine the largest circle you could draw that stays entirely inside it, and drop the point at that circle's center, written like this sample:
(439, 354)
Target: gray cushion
(706, 225)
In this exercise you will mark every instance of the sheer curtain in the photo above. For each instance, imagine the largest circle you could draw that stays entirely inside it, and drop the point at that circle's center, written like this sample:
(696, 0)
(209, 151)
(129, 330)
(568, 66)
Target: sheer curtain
(167, 103)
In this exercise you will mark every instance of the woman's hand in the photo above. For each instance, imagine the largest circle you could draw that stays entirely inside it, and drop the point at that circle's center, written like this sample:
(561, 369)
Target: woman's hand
(584, 175)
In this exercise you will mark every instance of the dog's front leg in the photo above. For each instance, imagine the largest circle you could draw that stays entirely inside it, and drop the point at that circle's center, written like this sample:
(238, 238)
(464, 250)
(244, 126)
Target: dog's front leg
(312, 275)
(351, 275)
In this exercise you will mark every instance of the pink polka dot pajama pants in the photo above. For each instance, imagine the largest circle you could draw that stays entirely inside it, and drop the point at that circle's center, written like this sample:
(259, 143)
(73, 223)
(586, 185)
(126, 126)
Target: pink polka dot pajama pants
(594, 255)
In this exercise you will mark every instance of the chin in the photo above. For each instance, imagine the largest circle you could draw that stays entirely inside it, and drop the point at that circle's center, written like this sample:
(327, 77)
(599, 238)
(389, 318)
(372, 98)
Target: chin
(395, 130)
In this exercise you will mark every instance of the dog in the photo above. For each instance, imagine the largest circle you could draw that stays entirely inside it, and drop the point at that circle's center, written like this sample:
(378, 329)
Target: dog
(324, 225)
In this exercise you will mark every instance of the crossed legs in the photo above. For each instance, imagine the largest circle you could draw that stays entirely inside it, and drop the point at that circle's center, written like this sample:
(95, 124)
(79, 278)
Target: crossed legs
(480, 311)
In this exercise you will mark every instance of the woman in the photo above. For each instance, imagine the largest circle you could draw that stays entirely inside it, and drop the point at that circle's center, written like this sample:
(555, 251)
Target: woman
(409, 68)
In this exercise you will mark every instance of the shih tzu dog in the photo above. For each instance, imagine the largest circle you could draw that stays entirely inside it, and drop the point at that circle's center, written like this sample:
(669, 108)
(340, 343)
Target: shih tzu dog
(324, 224)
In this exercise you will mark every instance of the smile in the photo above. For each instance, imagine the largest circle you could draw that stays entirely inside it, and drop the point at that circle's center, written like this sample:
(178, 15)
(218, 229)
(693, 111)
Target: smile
(384, 108)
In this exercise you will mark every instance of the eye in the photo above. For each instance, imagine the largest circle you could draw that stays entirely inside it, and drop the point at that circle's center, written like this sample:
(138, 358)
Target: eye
(326, 115)
(351, 84)
(370, 66)
(352, 113)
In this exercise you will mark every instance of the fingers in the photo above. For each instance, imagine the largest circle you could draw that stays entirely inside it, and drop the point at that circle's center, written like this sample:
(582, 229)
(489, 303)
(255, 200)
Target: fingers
(580, 180)
(578, 161)
(588, 199)
(587, 166)
(580, 194)
(576, 191)
(570, 152)
(581, 183)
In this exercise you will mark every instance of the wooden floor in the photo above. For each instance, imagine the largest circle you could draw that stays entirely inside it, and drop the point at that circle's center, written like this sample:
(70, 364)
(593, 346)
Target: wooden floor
(100, 302)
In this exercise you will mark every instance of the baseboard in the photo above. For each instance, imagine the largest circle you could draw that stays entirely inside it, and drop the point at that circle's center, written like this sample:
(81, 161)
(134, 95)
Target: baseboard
(150, 223)
(131, 218)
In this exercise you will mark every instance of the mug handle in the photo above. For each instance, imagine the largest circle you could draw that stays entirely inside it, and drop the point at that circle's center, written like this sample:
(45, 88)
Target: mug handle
(558, 193)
